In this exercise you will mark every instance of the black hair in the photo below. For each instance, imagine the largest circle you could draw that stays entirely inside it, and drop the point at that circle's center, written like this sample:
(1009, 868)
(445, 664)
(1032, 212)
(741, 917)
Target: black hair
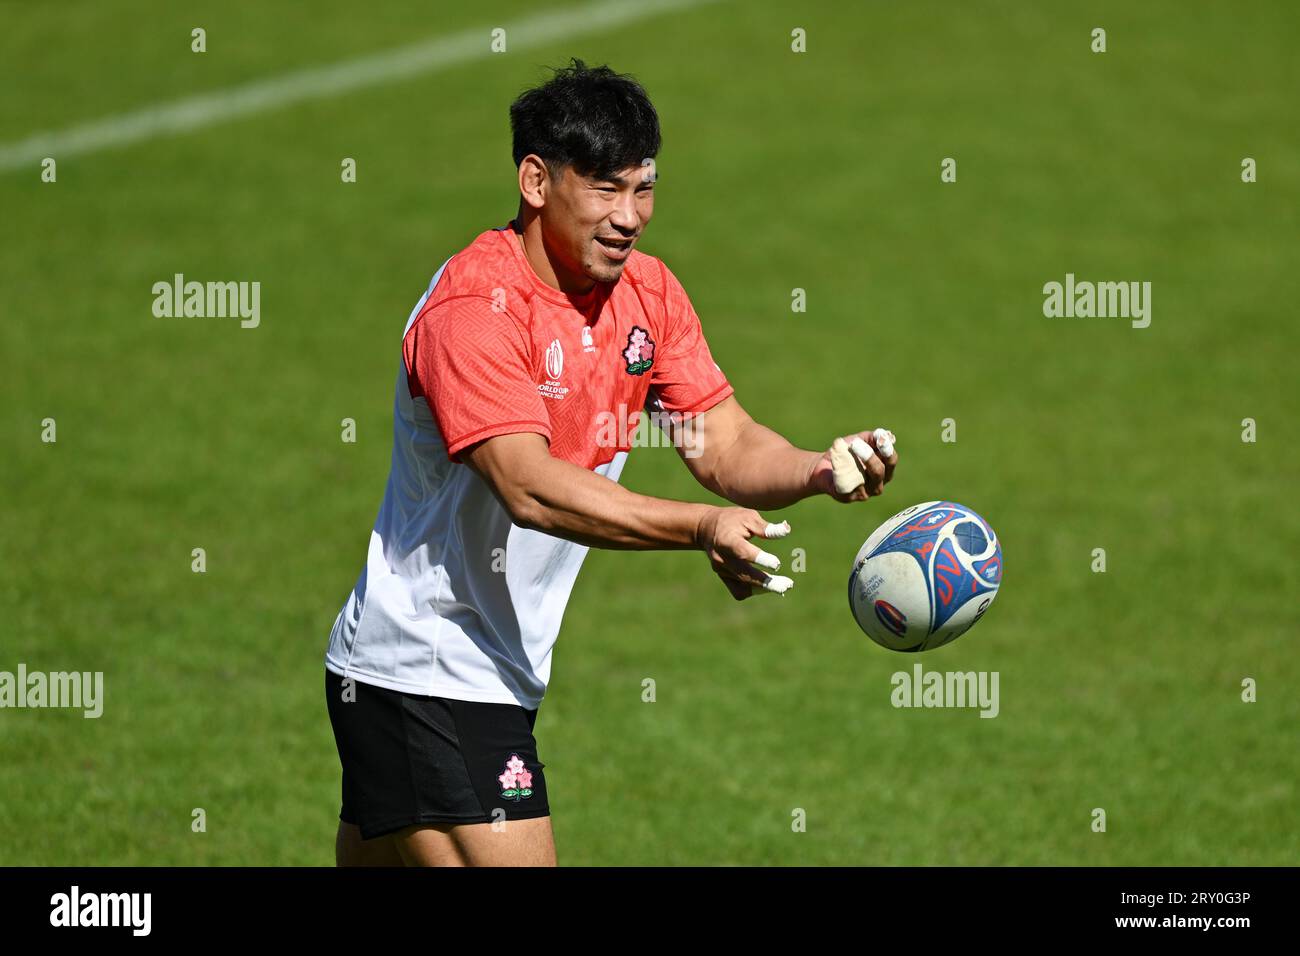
(591, 118)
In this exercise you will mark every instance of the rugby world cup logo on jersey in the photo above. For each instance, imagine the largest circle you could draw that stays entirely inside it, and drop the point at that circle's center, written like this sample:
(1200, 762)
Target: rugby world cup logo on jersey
(640, 352)
(552, 388)
(554, 359)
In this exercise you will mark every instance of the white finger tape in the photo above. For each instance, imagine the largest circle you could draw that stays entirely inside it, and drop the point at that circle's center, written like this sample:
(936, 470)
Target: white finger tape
(778, 584)
(769, 561)
(860, 448)
(884, 441)
(777, 530)
(844, 470)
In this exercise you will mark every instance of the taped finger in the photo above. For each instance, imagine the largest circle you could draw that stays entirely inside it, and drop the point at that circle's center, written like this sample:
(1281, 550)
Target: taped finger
(776, 530)
(845, 472)
(777, 584)
(860, 448)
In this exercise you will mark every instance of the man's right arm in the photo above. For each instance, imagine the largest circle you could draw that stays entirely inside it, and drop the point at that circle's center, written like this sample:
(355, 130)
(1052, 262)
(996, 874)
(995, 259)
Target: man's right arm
(474, 368)
(561, 499)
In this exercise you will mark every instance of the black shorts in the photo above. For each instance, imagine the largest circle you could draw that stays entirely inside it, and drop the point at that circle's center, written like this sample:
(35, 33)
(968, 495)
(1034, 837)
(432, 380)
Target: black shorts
(409, 759)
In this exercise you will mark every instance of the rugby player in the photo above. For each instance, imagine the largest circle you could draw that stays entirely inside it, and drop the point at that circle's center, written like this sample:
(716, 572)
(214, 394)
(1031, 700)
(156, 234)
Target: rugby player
(503, 474)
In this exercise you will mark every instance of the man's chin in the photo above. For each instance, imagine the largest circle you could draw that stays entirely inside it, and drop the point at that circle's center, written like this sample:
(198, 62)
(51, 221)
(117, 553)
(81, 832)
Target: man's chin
(606, 273)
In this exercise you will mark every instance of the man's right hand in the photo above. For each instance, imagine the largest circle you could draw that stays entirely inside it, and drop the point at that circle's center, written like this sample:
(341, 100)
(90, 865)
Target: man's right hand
(723, 535)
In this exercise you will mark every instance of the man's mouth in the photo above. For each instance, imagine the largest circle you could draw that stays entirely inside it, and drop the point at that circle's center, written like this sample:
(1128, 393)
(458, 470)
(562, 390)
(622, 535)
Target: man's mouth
(614, 247)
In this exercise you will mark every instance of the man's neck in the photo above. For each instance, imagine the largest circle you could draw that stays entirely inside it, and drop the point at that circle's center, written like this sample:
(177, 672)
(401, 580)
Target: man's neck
(534, 245)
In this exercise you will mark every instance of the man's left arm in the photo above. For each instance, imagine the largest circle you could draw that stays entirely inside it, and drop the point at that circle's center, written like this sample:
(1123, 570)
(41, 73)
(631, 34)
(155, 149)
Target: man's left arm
(734, 456)
(749, 464)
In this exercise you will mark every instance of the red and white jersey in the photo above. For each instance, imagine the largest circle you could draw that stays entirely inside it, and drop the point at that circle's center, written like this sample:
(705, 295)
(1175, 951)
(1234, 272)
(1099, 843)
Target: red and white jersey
(456, 600)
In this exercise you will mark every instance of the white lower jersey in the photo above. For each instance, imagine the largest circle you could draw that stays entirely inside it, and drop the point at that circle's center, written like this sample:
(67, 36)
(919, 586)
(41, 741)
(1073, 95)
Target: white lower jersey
(455, 599)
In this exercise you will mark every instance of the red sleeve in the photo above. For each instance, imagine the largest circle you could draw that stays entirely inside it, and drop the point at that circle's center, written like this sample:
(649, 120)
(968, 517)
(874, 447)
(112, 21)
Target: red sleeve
(684, 377)
(472, 366)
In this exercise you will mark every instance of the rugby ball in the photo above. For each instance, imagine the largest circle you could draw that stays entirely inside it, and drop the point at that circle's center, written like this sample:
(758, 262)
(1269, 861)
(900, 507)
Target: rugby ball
(925, 576)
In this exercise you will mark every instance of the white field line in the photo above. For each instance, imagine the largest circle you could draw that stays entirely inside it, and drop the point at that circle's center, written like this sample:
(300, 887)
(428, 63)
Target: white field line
(260, 96)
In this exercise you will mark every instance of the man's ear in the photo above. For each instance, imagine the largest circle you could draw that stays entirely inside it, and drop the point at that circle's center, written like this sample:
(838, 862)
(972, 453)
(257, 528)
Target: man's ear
(534, 180)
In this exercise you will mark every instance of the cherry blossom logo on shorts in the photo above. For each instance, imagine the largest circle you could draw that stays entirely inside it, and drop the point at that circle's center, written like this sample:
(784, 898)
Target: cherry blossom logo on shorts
(640, 351)
(516, 782)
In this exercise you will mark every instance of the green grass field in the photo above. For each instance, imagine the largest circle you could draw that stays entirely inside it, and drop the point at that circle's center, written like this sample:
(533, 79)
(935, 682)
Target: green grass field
(779, 170)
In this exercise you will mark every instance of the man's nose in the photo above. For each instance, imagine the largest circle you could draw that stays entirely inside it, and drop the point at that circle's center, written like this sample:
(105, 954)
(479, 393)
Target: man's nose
(624, 216)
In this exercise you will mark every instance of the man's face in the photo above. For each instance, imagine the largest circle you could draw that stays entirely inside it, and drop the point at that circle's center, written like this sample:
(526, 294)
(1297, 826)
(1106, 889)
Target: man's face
(591, 224)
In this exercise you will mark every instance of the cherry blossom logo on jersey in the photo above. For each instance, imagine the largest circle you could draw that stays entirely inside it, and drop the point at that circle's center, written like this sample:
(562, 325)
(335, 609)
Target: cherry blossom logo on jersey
(640, 352)
(516, 782)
